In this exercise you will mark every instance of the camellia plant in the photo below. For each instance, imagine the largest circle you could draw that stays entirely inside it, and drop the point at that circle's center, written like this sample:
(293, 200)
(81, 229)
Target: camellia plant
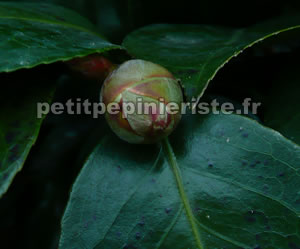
(137, 127)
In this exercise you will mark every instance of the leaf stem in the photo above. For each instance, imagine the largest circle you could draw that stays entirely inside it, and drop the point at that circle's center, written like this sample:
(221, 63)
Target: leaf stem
(186, 203)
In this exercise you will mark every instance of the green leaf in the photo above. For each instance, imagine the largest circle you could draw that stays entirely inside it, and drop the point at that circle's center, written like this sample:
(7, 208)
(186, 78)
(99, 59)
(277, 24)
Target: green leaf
(282, 104)
(195, 53)
(113, 19)
(19, 125)
(227, 182)
(33, 34)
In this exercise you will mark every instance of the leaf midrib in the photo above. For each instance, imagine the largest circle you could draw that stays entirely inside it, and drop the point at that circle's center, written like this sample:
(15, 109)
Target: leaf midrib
(185, 200)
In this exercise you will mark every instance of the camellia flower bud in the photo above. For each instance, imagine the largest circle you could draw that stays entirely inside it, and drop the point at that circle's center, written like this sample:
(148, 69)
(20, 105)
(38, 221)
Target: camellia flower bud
(149, 100)
(93, 66)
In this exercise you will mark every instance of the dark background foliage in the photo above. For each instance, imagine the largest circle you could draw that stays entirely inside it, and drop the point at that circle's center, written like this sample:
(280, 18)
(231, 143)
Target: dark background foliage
(30, 212)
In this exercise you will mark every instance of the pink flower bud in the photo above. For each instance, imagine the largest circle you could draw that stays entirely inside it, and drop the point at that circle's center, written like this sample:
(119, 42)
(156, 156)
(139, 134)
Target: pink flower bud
(149, 88)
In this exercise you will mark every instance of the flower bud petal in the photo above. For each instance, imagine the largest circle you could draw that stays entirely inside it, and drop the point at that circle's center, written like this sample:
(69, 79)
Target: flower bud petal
(143, 90)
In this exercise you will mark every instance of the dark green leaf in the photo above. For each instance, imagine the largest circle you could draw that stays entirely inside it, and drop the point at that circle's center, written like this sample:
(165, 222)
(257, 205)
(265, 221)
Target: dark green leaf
(33, 34)
(228, 182)
(112, 18)
(19, 125)
(195, 53)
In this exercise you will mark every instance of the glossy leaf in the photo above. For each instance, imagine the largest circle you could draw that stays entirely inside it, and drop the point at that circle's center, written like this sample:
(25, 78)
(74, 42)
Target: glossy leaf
(224, 181)
(112, 18)
(34, 34)
(195, 53)
(19, 125)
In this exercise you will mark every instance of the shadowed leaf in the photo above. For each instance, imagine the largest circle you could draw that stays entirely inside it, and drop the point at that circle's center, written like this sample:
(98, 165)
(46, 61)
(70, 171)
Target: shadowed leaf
(211, 187)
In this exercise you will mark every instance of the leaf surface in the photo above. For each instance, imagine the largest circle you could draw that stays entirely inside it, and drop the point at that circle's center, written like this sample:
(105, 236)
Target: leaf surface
(223, 181)
(33, 34)
(195, 53)
(19, 125)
